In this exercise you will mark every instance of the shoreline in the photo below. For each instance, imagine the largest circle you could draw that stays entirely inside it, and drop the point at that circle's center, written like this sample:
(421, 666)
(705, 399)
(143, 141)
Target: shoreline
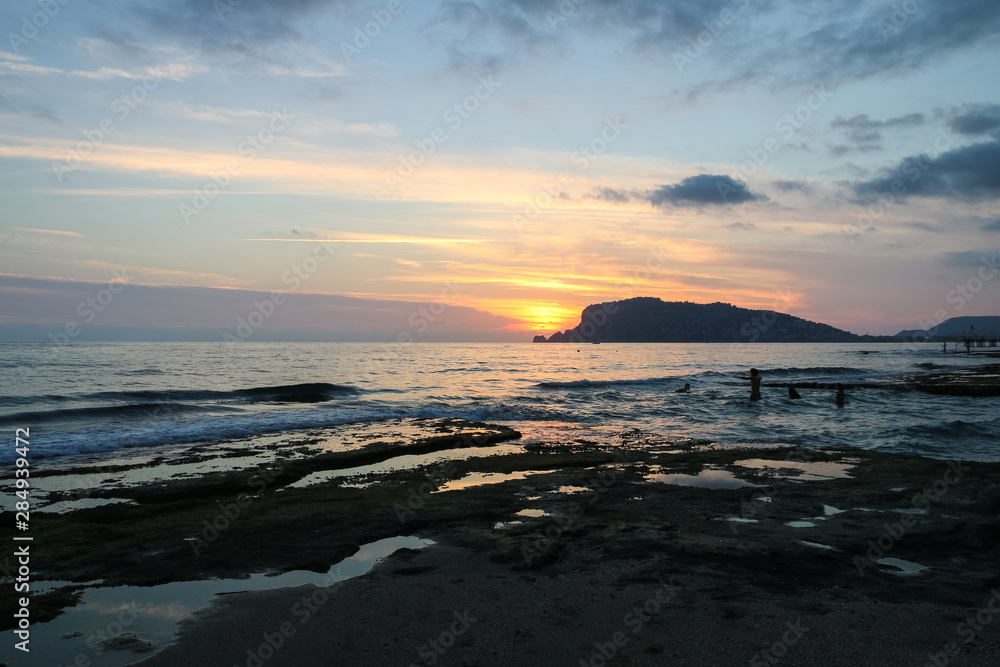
(589, 525)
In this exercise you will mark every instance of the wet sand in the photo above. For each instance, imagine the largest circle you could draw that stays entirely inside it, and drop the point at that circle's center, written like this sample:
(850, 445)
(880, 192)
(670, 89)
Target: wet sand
(639, 550)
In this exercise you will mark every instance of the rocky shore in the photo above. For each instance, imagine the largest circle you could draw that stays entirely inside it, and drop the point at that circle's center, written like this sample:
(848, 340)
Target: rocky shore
(638, 550)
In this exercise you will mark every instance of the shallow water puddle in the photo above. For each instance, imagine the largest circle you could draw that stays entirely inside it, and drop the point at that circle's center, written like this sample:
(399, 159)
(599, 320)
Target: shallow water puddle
(532, 513)
(902, 567)
(706, 479)
(817, 470)
(817, 545)
(484, 478)
(405, 462)
(800, 524)
(572, 489)
(147, 616)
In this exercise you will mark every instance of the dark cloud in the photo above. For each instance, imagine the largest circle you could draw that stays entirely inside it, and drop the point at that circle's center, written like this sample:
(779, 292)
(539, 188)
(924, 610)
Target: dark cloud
(612, 195)
(833, 40)
(992, 226)
(703, 190)
(975, 119)
(922, 226)
(805, 187)
(38, 111)
(249, 28)
(970, 172)
(742, 227)
(969, 258)
(865, 134)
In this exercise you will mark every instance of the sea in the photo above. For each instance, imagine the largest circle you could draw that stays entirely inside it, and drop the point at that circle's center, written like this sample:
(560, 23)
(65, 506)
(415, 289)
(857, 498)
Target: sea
(93, 399)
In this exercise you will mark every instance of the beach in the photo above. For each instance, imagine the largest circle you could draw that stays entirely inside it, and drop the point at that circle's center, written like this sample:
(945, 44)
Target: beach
(436, 540)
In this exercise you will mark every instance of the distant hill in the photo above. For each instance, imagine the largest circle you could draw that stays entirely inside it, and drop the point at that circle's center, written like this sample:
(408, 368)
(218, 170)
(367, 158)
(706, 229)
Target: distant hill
(957, 327)
(652, 320)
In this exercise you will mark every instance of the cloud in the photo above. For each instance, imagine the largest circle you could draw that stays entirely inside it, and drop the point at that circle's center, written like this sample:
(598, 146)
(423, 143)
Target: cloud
(742, 227)
(975, 119)
(612, 195)
(970, 172)
(969, 258)
(704, 190)
(805, 187)
(992, 226)
(865, 134)
(248, 29)
(829, 41)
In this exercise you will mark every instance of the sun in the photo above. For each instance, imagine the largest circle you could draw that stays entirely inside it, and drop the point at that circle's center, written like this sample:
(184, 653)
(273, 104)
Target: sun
(548, 317)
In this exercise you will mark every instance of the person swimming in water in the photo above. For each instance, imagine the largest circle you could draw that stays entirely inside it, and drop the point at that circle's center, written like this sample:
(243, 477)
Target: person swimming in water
(683, 390)
(754, 384)
(841, 398)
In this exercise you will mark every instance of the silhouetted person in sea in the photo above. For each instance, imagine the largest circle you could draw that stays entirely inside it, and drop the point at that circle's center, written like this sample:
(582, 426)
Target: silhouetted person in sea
(754, 384)
(792, 394)
(841, 398)
(683, 390)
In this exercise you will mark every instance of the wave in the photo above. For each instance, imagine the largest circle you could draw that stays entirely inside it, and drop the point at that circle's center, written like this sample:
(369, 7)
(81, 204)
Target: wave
(815, 370)
(575, 384)
(311, 392)
(114, 412)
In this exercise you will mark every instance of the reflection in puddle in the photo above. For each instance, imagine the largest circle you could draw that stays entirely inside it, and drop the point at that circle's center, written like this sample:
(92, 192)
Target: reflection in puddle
(484, 478)
(405, 462)
(901, 566)
(735, 519)
(501, 525)
(830, 510)
(809, 471)
(706, 479)
(817, 545)
(572, 489)
(151, 613)
(64, 506)
(533, 513)
(800, 524)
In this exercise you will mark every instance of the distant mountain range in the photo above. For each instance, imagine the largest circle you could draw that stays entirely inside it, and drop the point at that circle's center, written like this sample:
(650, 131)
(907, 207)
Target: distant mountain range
(652, 320)
(958, 327)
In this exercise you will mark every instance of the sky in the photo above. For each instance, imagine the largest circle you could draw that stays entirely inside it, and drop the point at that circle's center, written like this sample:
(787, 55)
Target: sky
(483, 170)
